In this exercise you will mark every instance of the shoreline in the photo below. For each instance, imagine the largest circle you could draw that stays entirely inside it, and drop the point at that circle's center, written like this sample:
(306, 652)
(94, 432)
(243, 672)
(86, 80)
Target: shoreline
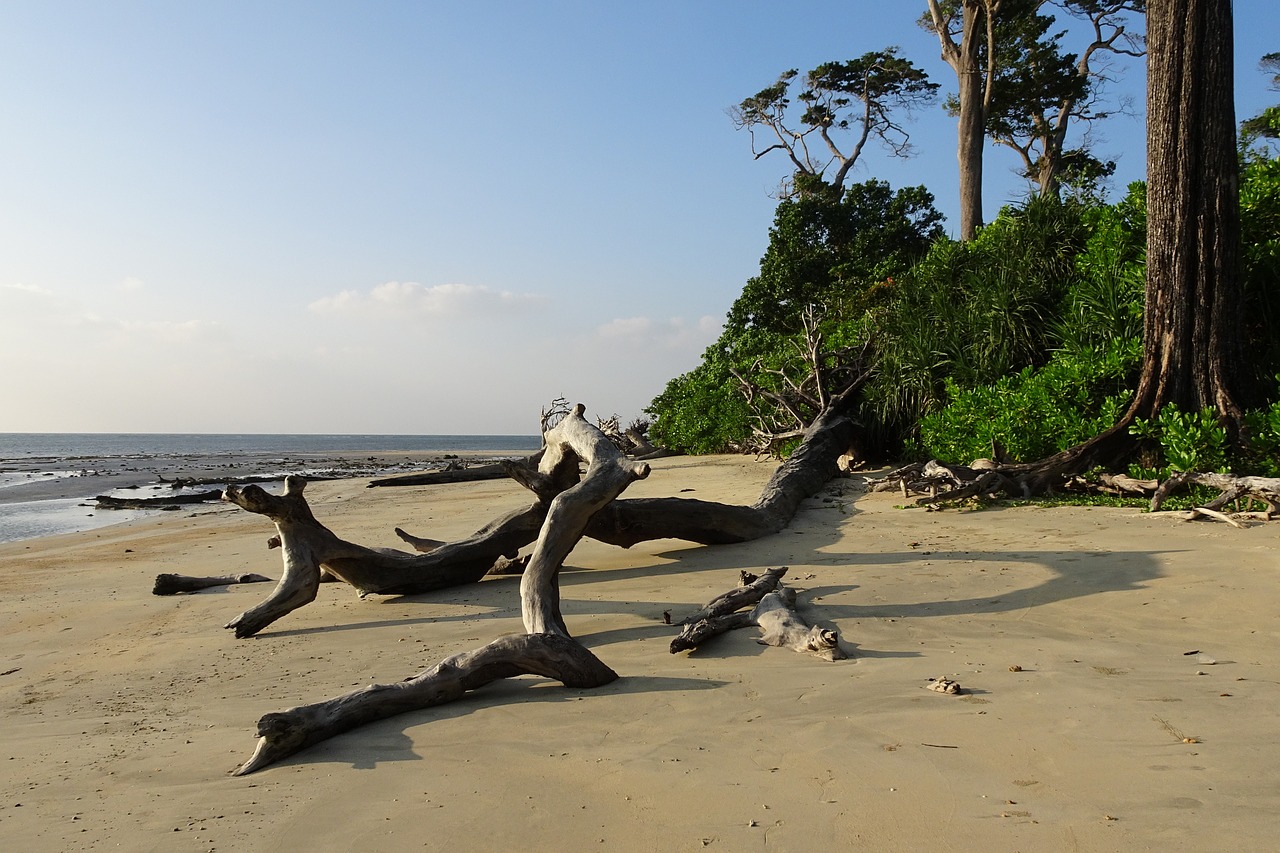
(42, 496)
(125, 712)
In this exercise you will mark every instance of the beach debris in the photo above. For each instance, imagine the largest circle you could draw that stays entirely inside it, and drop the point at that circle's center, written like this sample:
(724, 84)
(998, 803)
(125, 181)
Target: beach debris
(172, 501)
(773, 611)
(1015, 668)
(171, 584)
(1174, 731)
(942, 684)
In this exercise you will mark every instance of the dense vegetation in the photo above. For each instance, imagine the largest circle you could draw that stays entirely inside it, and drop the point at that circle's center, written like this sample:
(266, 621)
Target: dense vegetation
(1027, 336)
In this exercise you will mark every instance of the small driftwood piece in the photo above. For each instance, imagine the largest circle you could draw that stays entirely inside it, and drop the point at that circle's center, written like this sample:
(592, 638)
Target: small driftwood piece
(781, 626)
(550, 655)
(170, 584)
(719, 616)
(108, 502)
(773, 611)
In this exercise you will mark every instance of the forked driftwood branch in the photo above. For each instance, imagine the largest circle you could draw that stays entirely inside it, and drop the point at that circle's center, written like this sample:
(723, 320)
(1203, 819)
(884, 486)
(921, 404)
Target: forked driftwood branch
(546, 649)
(568, 505)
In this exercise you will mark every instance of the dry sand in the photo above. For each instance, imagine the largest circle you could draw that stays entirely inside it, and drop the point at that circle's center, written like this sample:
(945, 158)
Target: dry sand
(124, 713)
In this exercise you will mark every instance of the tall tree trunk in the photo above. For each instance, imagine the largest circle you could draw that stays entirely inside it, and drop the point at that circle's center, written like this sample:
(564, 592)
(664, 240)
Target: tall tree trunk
(969, 151)
(974, 97)
(1192, 317)
(1192, 320)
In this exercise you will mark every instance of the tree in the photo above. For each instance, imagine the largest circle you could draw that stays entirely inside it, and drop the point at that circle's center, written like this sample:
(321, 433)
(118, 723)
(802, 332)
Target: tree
(1191, 321)
(1267, 123)
(1040, 91)
(964, 28)
(860, 95)
(830, 248)
(1016, 85)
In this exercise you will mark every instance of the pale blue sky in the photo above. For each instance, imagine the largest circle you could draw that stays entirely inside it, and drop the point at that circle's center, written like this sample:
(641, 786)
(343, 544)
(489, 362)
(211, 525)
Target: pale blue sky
(404, 217)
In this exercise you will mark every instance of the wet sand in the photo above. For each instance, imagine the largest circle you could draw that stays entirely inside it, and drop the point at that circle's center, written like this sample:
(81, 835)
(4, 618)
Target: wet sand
(1122, 687)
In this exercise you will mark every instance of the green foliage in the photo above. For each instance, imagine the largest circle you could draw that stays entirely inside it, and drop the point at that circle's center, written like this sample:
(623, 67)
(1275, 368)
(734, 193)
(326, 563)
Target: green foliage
(1260, 271)
(1037, 411)
(700, 411)
(974, 312)
(1263, 425)
(827, 247)
(831, 248)
(1104, 299)
(1189, 441)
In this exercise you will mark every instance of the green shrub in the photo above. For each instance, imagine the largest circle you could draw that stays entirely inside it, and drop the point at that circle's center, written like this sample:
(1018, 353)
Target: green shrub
(1036, 412)
(1189, 441)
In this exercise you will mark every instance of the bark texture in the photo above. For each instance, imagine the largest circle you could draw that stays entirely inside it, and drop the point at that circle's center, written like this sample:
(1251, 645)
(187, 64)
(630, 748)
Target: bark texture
(550, 655)
(1192, 321)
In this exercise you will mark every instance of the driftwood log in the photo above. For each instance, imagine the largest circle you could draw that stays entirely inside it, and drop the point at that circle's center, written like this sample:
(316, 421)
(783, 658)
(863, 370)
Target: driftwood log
(546, 649)
(108, 502)
(773, 611)
(452, 473)
(308, 547)
(550, 655)
(171, 584)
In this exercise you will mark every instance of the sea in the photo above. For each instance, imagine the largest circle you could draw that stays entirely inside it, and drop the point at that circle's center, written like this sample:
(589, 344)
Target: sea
(48, 480)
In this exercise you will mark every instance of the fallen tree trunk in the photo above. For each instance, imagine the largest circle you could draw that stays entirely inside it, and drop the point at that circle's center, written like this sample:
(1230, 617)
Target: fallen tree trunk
(108, 502)
(550, 655)
(171, 584)
(308, 546)
(547, 649)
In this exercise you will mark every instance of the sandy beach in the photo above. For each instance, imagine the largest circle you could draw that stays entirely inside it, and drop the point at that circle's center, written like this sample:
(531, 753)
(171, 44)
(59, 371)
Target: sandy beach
(1122, 687)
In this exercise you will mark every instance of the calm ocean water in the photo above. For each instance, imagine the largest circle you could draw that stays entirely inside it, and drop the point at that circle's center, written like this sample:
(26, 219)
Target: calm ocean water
(76, 464)
(72, 446)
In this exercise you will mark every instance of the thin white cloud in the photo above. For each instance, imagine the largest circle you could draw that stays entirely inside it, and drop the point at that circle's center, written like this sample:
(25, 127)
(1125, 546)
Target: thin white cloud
(675, 333)
(410, 299)
(130, 285)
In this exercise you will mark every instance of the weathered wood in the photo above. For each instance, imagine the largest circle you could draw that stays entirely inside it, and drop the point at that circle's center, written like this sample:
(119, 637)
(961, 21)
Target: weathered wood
(697, 633)
(773, 611)
(472, 474)
(717, 616)
(549, 655)
(308, 546)
(109, 502)
(608, 474)
(782, 626)
(746, 595)
(171, 584)
(620, 522)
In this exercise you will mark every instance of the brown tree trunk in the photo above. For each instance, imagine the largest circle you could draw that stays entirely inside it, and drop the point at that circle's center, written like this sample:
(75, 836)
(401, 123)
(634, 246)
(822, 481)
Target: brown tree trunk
(1192, 322)
(971, 79)
(1192, 317)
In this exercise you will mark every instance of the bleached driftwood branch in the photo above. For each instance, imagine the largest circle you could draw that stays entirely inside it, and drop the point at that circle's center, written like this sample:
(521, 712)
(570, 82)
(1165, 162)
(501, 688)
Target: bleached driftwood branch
(773, 611)
(546, 649)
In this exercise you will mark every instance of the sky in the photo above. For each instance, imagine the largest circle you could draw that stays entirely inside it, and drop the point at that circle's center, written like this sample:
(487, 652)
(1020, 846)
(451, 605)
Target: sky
(413, 217)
